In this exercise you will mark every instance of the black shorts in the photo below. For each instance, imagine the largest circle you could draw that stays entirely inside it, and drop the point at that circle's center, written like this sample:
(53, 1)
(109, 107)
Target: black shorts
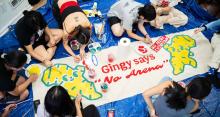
(61, 17)
(113, 20)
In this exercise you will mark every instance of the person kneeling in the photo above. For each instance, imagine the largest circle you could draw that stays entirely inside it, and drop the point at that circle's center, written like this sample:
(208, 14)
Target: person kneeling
(126, 15)
(58, 103)
(13, 87)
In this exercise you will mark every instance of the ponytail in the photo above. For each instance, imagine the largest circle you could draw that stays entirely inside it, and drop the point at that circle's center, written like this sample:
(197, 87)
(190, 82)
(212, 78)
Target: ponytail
(14, 58)
(199, 87)
(83, 35)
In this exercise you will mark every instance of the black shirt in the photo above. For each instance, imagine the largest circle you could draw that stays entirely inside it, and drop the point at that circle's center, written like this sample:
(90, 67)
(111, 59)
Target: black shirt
(6, 84)
(27, 36)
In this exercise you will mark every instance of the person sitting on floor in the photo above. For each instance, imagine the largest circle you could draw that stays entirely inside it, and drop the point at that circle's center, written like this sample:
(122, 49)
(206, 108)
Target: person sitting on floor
(167, 14)
(175, 100)
(127, 15)
(75, 24)
(214, 63)
(13, 87)
(36, 38)
(58, 103)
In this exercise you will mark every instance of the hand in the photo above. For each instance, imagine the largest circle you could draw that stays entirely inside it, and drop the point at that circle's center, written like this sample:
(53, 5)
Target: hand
(195, 100)
(78, 101)
(33, 77)
(82, 53)
(197, 30)
(47, 63)
(147, 40)
(76, 58)
(153, 113)
(52, 42)
(8, 109)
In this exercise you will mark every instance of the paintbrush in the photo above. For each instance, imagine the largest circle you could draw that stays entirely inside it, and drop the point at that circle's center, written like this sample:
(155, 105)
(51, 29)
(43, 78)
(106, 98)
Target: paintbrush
(101, 29)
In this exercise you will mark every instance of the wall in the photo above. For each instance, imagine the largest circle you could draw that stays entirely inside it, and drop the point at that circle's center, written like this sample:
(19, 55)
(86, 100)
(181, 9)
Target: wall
(10, 15)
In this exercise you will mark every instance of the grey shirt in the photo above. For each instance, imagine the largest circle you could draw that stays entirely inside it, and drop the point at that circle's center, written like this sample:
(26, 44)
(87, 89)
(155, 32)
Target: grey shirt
(126, 11)
(162, 109)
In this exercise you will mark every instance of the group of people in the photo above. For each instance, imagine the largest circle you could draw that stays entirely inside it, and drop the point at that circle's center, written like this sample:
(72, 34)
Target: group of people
(40, 41)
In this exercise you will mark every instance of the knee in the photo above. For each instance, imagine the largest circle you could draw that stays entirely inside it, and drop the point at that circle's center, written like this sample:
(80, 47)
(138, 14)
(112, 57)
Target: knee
(117, 30)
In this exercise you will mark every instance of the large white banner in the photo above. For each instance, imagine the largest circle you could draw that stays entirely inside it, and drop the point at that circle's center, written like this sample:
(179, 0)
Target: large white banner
(134, 68)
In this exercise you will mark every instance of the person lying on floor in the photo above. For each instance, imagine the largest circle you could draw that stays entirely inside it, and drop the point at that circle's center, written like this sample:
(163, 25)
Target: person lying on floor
(127, 15)
(75, 24)
(175, 100)
(13, 87)
(167, 14)
(58, 103)
(36, 37)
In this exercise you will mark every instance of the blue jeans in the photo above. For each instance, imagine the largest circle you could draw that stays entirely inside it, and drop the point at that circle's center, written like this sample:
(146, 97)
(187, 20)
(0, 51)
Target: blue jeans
(214, 25)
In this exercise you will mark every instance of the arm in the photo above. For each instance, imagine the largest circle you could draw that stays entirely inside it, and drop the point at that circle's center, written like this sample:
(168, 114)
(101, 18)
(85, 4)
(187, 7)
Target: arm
(133, 35)
(19, 89)
(67, 47)
(196, 105)
(51, 41)
(34, 54)
(48, 32)
(82, 51)
(154, 91)
(78, 106)
(8, 109)
(142, 28)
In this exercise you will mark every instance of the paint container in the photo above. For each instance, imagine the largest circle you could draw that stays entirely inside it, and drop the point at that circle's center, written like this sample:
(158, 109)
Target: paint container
(74, 44)
(104, 87)
(92, 73)
(111, 112)
(111, 58)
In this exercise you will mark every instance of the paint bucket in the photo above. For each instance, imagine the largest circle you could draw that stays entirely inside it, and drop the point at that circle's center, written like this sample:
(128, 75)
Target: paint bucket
(74, 44)
(111, 58)
(111, 112)
(104, 87)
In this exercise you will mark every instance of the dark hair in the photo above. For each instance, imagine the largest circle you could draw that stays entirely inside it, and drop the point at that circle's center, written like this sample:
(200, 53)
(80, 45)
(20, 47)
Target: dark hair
(58, 102)
(15, 59)
(83, 35)
(148, 12)
(33, 2)
(176, 96)
(199, 87)
(32, 20)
